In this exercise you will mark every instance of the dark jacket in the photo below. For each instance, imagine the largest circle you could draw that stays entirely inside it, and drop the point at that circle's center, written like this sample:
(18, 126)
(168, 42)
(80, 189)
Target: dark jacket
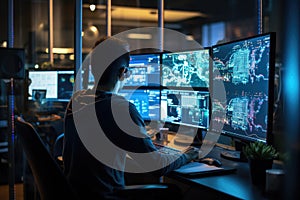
(98, 177)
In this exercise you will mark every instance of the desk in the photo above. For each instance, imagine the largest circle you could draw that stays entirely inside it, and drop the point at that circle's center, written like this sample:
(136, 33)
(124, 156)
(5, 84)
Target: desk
(48, 118)
(231, 186)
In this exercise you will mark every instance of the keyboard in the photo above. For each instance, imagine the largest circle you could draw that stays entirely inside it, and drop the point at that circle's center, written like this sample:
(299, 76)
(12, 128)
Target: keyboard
(170, 150)
(166, 149)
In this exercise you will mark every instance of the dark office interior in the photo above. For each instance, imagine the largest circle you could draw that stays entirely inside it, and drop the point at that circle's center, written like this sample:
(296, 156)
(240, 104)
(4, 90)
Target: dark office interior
(251, 47)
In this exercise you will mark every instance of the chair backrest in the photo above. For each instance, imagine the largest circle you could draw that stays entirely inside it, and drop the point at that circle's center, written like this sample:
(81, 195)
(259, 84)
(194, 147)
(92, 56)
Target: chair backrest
(58, 146)
(58, 149)
(49, 178)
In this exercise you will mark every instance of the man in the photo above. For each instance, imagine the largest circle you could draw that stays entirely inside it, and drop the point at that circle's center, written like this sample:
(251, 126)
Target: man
(98, 178)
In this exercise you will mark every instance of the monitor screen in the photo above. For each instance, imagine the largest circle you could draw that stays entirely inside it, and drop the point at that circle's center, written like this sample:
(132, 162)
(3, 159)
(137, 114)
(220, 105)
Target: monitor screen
(57, 84)
(246, 68)
(185, 107)
(145, 70)
(146, 101)
(186, 69)
(43, 80)
(65, 83)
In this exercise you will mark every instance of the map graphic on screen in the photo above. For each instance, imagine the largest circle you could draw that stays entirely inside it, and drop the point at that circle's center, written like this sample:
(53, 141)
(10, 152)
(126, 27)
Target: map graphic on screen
(186, 69)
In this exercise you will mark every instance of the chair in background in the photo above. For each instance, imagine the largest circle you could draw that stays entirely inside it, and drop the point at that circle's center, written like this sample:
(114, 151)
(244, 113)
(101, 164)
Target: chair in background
(49, 178)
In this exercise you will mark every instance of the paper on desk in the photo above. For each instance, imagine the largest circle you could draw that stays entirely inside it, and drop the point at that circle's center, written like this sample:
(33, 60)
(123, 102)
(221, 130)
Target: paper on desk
(194, 167)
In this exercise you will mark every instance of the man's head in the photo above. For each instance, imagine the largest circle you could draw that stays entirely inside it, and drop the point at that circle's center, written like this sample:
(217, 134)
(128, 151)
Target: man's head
(113, 73)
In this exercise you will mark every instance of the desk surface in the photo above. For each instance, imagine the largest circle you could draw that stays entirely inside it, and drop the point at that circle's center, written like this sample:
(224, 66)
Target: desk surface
(237, 185)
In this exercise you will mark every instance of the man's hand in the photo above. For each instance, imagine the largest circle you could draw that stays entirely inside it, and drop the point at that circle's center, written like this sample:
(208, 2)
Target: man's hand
(192, 153)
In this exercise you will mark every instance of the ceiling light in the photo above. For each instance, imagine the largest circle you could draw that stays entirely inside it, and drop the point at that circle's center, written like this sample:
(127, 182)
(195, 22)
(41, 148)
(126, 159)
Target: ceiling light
(142, 36)
(72, 57)
(4, 44)
(92, 7)
(61, 50)
(189, 37)
(147, 14)
(93, 29)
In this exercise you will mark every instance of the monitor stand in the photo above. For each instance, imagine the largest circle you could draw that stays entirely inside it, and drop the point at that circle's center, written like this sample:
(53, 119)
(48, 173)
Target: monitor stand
(235, 155)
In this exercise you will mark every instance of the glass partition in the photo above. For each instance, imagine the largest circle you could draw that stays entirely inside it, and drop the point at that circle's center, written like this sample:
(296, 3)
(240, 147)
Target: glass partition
(206, 22)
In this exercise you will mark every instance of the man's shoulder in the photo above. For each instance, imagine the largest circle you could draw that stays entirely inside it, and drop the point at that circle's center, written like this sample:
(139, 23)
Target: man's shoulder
(101, 97)
(118, 99)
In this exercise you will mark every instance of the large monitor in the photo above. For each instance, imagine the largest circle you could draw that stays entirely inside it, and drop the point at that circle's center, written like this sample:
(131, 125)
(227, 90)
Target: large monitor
(147, 102)
(145, 70)
(246, 68)
(185, 107)
(186, 69)
(58, 85)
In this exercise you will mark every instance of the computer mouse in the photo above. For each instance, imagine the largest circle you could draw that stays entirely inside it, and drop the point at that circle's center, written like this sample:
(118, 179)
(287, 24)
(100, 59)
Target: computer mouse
(211, 161)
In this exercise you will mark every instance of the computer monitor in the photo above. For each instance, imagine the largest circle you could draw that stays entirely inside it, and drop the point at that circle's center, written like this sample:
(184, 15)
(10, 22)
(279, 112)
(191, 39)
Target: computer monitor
(147, 102)
(145, 70)
(65, 84)
(186, 69)
(185, 107)
(58, 84)
(246, 68)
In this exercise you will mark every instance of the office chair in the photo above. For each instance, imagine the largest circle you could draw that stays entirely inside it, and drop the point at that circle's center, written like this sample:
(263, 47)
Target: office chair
(52, 183)
(49, 178)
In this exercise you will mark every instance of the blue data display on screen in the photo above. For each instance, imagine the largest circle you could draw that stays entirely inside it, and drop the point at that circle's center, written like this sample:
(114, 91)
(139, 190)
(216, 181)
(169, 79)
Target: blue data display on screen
(145, 70)
(244, 68)
(185, 107)
(186, 69)
(146, 101)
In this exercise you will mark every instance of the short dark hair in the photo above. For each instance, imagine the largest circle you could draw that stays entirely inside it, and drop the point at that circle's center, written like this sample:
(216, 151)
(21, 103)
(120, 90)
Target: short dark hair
(111, 74)
(100, 40)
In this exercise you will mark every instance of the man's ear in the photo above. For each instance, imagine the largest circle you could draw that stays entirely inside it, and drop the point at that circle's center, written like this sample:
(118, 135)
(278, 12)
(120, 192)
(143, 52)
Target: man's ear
(122, 74)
